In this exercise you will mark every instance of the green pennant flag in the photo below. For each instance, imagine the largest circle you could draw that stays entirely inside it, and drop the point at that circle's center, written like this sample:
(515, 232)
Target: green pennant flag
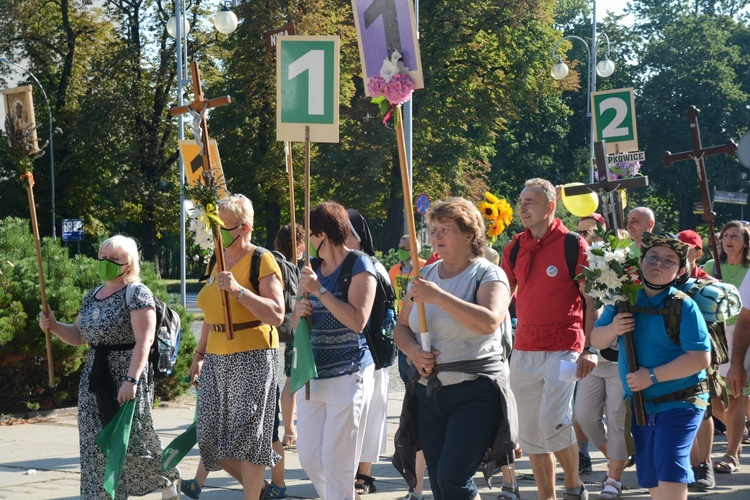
(113, 441)
(179, 447)
(303, 364)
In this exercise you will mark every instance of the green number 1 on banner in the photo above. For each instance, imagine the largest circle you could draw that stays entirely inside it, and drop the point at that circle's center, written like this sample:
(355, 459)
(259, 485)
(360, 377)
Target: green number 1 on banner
(307, 77)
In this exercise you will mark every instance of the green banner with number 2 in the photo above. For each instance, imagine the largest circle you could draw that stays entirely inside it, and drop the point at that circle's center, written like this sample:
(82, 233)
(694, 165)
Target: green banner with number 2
(614, 119)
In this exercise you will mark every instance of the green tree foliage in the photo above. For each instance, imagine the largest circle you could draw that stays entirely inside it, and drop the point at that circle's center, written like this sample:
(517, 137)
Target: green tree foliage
(699, 60)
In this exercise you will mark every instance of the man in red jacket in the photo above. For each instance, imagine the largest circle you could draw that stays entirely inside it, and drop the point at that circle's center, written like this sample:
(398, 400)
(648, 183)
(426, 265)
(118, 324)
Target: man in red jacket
(552, 336)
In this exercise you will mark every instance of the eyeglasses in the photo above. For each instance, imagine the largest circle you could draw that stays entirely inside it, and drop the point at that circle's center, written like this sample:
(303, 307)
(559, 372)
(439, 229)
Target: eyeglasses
(731, 236)
(654, 259)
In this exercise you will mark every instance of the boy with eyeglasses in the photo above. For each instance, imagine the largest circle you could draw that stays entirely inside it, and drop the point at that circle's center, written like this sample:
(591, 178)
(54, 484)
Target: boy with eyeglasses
(671, 375)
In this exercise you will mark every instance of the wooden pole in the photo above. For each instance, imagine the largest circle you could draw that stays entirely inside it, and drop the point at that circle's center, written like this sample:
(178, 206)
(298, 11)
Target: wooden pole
(639, 406)
(292, 215)
(307, 224)
(221, 265)
(29, 181)
(424, 335)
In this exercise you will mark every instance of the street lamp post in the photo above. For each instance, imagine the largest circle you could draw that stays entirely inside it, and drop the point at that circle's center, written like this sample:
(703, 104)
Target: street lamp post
(178, 27)
(603, 68)
(51, 138)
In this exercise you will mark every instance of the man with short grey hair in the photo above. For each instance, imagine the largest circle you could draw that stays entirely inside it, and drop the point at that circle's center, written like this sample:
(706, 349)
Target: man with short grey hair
(553, 330)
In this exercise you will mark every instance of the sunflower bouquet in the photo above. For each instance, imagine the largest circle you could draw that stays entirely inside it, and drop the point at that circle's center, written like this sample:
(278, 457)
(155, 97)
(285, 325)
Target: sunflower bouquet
(498, 212)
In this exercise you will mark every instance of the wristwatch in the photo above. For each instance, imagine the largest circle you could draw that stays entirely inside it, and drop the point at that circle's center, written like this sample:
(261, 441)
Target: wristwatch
(653, 376)
(322, 291)
(242, 293)
(591, 350)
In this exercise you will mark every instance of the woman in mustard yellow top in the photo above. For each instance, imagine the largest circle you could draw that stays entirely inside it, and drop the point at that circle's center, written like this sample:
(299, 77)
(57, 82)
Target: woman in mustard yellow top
(238, 377)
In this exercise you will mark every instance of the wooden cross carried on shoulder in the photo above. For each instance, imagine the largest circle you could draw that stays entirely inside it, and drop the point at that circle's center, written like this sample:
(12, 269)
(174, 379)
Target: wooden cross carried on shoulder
(606, 188)
(200, 106)
(697, 154)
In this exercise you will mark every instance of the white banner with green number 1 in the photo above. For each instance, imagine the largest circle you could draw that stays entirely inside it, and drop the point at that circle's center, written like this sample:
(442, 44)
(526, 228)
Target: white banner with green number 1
(613, 112)
(307, 88)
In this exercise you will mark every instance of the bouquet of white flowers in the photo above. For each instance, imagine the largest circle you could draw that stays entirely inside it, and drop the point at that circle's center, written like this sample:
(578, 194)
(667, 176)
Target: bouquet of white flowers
(612, 272)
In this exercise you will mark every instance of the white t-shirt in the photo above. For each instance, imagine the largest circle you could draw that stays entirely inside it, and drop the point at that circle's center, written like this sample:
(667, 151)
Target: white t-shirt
(447, 335)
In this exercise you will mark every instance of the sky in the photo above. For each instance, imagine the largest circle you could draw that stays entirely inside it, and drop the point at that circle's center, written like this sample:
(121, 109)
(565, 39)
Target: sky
(602, 6)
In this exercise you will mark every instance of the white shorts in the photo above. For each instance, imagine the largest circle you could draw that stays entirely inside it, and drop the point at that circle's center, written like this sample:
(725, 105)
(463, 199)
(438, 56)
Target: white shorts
(545, 411)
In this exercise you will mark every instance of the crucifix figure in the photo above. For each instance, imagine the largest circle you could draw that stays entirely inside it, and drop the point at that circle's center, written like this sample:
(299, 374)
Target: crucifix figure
(697, 154)
(605, 187)
(198, 110)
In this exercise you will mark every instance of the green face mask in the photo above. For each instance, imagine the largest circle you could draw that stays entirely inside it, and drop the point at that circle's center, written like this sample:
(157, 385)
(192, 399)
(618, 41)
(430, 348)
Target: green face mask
(403, 255)
(109, 270)
(314, 251)
(226, 236)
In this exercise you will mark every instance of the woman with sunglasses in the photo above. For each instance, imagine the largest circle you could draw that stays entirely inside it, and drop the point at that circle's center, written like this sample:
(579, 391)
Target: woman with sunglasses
(734, 256)
(237, 382)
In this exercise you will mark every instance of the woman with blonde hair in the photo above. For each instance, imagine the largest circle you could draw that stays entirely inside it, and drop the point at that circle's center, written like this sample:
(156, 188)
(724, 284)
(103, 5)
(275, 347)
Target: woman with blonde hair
(120, 332)
(237, 382)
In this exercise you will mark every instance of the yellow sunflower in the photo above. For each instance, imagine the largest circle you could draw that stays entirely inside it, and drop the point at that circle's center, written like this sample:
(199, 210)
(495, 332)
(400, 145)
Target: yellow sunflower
(489, 210)
(504, 212)
(495, 229)
(491, 198)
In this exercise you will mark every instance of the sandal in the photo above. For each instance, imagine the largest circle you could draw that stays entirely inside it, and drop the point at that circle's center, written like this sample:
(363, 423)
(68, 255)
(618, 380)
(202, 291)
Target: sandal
(612, 490)
(727, 464)
(509, 493)
(289, 440)
(191, 488)
(273, 491)
(366, 486)
(582, 495)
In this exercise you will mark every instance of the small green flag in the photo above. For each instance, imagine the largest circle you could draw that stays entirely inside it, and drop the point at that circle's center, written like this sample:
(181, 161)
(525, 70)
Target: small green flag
(179, 447)
(303, 363)
(113, 441)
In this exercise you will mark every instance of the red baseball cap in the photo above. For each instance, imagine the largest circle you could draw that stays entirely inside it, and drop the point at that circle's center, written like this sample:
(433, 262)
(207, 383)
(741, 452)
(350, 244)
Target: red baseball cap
(691, 238)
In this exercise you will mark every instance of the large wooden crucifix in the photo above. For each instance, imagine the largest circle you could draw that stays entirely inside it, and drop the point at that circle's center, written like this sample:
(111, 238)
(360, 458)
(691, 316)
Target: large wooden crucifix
(697, 154)
(605, 187)
(200, 105)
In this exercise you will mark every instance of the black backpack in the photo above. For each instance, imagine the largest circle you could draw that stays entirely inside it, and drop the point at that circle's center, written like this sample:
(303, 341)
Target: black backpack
(290, 281)
(169, 342)
(382, 348)
(571, 252)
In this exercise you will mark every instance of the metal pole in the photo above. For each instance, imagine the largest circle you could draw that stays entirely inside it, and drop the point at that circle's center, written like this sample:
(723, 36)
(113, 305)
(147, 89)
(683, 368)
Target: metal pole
(408, 121)
(181, 51)
(592, 88)
(51, 139)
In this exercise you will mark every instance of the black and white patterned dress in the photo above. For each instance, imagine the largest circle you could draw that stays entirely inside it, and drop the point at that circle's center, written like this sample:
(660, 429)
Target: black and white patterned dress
(107, 322)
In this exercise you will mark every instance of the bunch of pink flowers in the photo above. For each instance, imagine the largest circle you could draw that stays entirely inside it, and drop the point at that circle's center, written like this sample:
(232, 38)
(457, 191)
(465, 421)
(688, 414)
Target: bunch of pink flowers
(393, 83)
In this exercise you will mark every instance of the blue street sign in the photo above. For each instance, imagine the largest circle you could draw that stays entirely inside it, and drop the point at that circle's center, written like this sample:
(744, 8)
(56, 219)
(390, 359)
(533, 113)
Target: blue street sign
(72, 230)
(423, 203)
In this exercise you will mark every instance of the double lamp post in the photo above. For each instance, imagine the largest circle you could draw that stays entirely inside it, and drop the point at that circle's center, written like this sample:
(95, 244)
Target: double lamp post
(604, 68)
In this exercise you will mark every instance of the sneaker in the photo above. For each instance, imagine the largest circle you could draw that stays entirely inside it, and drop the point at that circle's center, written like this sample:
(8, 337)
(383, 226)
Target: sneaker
(584, 463)
(704, 477)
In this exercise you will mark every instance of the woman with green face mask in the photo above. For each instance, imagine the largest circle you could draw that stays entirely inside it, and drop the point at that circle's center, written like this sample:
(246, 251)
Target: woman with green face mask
(120, 333)
(330, 420)
(238, 437)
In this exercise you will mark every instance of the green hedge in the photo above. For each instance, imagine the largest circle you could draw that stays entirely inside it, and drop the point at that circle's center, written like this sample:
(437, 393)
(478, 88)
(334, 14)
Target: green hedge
(23, 358)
